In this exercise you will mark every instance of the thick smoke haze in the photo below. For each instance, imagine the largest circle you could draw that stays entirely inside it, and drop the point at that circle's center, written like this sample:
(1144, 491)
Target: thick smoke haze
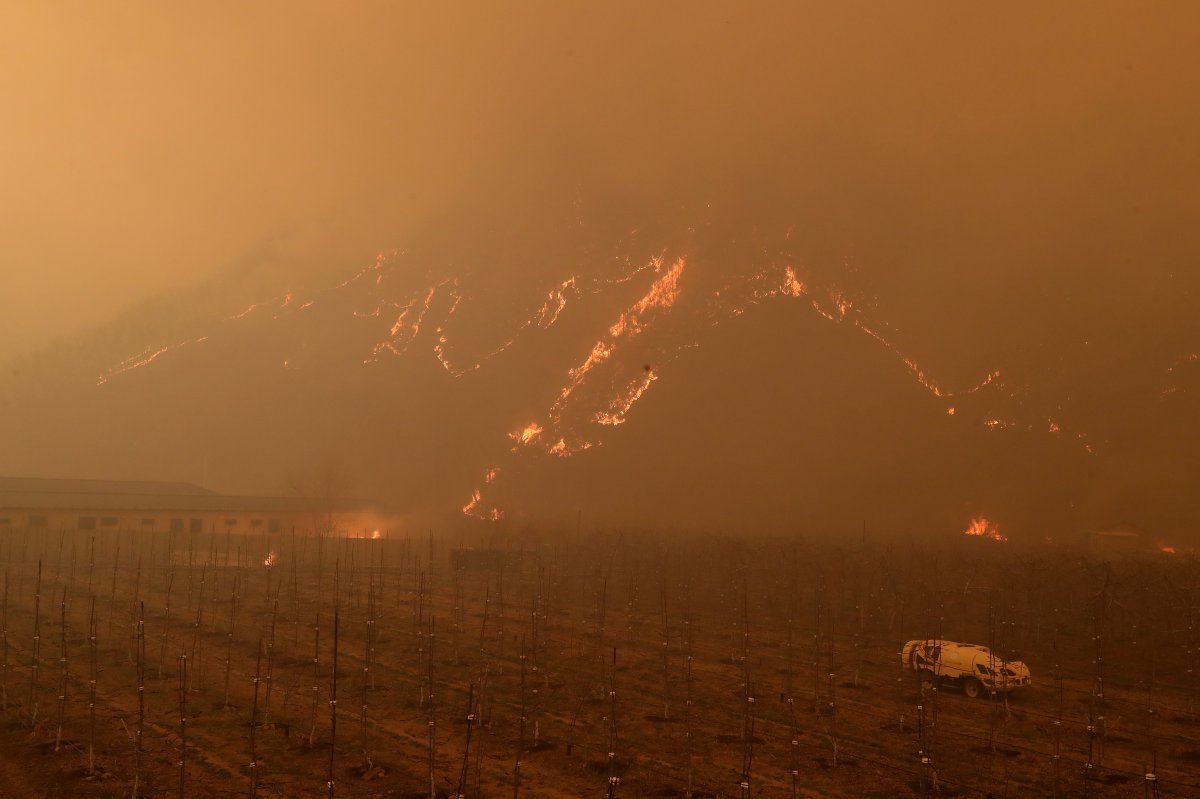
(1005, 190)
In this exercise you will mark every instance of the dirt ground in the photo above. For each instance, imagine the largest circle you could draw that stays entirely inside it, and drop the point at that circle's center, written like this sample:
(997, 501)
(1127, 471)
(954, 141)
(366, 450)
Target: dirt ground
(655, 668)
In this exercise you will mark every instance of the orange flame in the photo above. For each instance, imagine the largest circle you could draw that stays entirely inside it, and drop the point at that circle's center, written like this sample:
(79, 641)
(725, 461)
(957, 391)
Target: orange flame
(621, 405)
(472, 509)
(792, 287)
(556, 301)
(472, 504)
(662, 294)
(659, 298)
(598, 355)
(402, 318)
(980, 526)
(144, 358)
(1163, 546)
(526, 434)
(269, 561)
(413, 328)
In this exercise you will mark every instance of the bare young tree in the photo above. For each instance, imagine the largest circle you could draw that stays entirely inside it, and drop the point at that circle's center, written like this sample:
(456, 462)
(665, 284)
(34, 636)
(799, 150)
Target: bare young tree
(432, 708)
(197, 638)
(689, 729)
(614, 781)
(37, 648)
(333, 679)
(233, 609)
(62, 674)
(4, 634)
(365, 683)
(112, 596)
(666, 641)
(92, 676)
(316, 689)
(269, 677)
(460, 791)
(747, 695)
(520, 731)
(141, 678)
(254, 725)
(162, 650)
(183, 720)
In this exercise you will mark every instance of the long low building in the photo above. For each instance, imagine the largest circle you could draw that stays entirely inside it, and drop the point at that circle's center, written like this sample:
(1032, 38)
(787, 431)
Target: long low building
(112, 505)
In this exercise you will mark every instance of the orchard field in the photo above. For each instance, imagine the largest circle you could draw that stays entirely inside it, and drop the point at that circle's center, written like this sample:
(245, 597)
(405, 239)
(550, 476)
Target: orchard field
(566, 665)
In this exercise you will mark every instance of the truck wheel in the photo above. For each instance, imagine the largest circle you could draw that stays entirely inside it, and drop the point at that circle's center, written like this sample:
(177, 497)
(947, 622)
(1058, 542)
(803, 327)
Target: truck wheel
(928, 681)
(972, 688)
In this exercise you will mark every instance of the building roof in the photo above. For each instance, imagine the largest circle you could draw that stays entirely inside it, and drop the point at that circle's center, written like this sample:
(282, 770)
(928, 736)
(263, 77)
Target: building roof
(1118, 531)
(49, 485)
(31, 493)
(149, 502)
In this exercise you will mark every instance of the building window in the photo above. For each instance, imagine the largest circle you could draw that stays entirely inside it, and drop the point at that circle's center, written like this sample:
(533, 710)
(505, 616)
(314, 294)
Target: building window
(147, 522)
(5, 521)
(196, 526)
(108, 521)
(231, 522)
(38, 522)
(87, 522)
(177, 525)
(256, 524)
(273, 526)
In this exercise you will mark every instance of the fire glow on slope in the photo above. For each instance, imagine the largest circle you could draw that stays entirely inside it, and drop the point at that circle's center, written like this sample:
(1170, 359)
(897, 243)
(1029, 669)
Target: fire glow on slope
(561, 435)
(564, 439)
(406, 316)
(832, 304)
(1177, 372)
(659, 300)
(525, 435)
(622, 403)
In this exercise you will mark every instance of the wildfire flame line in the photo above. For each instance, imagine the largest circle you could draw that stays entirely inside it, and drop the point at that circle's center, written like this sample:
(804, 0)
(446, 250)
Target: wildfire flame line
(621, 404)
(282, 301)
(612, 389)
(144, 358)
(662, 296)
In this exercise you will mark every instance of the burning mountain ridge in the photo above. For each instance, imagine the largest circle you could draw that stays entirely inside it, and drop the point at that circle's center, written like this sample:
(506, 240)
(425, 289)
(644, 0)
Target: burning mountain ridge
(695, 379)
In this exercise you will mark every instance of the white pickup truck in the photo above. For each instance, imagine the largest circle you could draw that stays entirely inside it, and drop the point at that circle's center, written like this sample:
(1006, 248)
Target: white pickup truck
(971, 666)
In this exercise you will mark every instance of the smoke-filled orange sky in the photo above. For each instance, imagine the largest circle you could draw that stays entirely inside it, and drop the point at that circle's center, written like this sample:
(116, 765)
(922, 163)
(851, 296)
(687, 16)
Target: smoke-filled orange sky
(150, 145)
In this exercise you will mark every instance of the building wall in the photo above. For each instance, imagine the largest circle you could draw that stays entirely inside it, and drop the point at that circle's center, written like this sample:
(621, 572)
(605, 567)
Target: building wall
(356, 523)
(1115, 544)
